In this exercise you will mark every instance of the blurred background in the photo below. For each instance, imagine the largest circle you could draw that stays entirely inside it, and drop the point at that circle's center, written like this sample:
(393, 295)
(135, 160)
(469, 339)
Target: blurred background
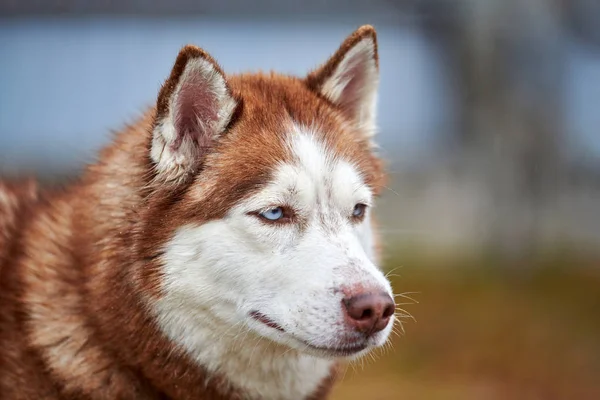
(489, 116)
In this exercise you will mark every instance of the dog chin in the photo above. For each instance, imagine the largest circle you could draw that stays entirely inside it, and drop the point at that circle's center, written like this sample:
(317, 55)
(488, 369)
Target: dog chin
(336, 352)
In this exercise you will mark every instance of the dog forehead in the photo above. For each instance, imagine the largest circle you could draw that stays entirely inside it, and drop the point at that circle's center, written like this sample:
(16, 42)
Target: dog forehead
(317, 167)
(313, 178)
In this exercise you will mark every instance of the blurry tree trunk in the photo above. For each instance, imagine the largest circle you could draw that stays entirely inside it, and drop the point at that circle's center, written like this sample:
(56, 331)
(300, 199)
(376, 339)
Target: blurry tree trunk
(505, 56)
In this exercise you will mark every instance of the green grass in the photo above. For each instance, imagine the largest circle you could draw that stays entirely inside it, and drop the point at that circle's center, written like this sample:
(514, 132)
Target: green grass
(522, 331)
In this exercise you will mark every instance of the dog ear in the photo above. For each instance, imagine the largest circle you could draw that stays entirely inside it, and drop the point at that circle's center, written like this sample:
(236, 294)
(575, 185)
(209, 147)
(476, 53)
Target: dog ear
(194, 107)
(350, 78)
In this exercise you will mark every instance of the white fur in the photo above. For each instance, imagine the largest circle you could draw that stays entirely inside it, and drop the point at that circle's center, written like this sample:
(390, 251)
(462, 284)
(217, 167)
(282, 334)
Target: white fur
(335, 87)
(173, 164)
(217, 273)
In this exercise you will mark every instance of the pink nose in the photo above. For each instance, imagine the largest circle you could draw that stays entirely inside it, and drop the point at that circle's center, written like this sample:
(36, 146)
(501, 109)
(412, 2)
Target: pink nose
(369, 312)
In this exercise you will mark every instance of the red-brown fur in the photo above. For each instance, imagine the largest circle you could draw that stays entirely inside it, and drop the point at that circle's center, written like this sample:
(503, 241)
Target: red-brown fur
(77, 264)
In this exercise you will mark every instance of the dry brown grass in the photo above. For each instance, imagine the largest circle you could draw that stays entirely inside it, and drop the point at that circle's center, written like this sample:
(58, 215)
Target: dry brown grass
(486, 333)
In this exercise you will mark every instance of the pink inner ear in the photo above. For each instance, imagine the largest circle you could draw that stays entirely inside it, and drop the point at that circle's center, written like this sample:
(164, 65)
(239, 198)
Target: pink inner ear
(196, 111)
(357, 77)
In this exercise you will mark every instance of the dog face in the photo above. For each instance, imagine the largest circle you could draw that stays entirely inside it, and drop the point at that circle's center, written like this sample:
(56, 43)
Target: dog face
(272, 227)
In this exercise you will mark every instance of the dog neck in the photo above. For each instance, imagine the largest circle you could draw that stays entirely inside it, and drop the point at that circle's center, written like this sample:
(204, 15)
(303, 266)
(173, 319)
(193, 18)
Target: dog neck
(257, 366)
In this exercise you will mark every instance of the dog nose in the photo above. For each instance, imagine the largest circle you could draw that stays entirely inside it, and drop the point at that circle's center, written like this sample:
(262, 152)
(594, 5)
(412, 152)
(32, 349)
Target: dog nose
(369, 312)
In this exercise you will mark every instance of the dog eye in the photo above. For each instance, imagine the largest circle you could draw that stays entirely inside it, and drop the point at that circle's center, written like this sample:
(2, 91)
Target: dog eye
(274, 214)
(359, 211)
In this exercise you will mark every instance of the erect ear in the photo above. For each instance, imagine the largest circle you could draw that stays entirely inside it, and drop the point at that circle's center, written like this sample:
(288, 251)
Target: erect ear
(194, 107)
(349, 79)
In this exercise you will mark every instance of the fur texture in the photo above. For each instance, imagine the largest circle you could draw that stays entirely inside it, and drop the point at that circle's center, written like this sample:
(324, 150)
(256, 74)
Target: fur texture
(156, 275)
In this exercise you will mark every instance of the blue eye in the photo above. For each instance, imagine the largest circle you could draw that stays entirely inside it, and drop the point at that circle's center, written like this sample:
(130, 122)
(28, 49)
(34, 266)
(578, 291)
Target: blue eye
(273, 214)
(359, 210)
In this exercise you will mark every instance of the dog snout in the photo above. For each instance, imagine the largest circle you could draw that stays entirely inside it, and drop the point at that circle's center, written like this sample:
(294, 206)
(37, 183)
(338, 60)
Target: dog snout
(368, 312)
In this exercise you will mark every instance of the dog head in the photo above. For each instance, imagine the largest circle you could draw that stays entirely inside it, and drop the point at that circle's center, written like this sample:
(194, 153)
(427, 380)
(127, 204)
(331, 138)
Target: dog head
(260, 212)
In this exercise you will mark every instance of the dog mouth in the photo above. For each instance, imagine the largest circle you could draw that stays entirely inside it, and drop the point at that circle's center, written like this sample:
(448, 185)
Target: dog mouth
(266, 320)
(344, 350)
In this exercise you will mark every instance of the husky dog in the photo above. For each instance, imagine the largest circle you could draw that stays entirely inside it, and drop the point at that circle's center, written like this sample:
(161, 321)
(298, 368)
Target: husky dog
(222, 246)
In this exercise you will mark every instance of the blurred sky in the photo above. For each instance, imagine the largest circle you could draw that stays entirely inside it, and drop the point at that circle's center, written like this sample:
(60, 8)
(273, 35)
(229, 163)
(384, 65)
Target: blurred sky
(66, 82)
